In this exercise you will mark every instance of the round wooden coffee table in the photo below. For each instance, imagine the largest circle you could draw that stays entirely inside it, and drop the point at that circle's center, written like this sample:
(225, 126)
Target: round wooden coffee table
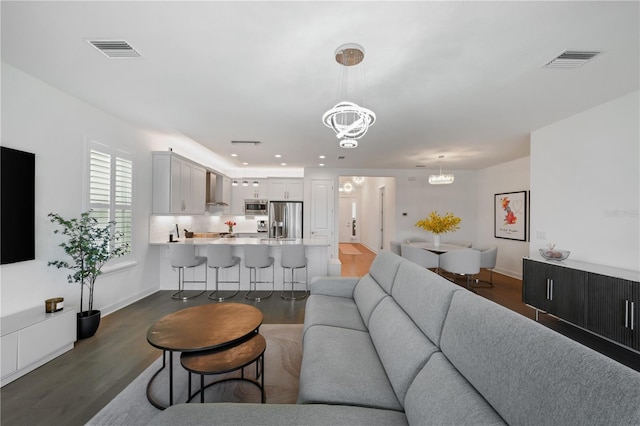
(200, 328)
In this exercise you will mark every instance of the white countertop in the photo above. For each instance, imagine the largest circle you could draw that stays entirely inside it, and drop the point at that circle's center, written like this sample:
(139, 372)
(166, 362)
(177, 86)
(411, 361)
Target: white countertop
(239, 241)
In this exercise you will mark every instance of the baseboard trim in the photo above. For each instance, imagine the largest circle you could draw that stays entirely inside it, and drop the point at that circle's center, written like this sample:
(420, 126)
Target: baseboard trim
(106, 310)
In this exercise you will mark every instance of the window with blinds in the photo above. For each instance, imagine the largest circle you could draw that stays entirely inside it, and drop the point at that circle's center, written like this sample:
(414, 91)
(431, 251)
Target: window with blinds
(111, 188)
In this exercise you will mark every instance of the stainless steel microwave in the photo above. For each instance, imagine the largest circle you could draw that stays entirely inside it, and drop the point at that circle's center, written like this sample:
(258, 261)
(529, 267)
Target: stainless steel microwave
(256, 207)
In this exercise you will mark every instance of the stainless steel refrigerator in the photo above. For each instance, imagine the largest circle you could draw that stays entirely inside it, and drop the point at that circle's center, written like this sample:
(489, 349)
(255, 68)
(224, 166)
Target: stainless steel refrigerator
(285, 219)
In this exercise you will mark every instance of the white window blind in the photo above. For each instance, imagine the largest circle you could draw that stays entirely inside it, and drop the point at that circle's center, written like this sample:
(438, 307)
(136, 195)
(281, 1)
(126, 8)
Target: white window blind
(111, 188)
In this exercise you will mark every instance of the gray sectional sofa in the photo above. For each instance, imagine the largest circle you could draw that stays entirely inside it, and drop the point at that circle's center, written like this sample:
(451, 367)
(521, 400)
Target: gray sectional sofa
(403, 345)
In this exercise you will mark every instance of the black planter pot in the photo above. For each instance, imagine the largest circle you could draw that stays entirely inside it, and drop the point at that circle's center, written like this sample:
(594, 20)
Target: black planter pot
(88, 323)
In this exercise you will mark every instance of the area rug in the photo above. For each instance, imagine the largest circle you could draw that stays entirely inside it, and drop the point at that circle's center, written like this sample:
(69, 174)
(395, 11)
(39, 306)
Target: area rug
(348, 249)
(283, 357)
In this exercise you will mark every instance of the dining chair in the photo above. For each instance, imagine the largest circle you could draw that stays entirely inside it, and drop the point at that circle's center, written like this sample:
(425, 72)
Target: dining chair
(488, 259)
(416, 240)
(422, 257)
(394, 246)
(462, 262)
(460, 243)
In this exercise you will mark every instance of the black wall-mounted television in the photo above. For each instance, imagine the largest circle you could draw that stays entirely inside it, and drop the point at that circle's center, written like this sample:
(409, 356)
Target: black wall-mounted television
(17, 205)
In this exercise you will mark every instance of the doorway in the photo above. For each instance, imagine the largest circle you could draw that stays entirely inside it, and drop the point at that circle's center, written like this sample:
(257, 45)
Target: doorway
(348, 223)
(374, 214)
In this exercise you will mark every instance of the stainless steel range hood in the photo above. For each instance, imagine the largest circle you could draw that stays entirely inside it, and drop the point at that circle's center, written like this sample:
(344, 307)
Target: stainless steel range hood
(215, 190)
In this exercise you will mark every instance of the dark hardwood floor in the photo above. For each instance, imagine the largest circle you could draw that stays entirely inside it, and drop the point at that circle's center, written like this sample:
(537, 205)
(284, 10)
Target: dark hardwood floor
(72, 388)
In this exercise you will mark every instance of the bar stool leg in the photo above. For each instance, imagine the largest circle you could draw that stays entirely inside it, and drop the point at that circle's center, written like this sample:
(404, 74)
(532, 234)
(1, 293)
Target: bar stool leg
(292, 282)
(178, 294)
(253, 282)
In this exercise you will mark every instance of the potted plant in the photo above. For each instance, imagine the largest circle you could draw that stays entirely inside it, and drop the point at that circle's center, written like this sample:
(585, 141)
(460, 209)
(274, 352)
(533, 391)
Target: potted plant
(90, 245)
(439, 224)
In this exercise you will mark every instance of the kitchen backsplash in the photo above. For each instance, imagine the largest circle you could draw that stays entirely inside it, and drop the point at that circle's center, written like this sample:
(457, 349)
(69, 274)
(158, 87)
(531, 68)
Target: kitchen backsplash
(161, 226)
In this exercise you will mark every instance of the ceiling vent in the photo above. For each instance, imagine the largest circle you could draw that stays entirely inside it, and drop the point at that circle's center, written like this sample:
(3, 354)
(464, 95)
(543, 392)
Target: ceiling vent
(256, 143)
(571, 59)
(115, 49)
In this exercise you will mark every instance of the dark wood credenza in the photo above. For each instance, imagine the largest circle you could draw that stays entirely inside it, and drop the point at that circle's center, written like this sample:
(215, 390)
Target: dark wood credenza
(600, 299)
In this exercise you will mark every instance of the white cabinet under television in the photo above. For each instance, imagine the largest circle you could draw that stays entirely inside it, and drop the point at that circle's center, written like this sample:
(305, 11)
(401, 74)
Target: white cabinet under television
(32, 338)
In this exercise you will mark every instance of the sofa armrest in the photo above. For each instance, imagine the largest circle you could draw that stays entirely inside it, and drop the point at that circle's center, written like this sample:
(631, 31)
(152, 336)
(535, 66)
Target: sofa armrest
(334, 286)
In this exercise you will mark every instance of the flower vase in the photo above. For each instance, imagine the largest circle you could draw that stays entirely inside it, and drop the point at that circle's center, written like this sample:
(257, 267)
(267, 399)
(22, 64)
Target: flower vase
(436, 240)
(231, 230)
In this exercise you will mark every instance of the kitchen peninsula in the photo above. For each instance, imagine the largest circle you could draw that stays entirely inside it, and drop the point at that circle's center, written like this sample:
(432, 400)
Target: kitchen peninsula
(317, 253)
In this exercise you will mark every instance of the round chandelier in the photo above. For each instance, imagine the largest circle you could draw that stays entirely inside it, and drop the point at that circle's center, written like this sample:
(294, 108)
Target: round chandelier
(349, 120)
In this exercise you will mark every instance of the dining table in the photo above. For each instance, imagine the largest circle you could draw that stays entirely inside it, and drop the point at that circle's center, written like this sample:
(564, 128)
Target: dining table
(441, 248)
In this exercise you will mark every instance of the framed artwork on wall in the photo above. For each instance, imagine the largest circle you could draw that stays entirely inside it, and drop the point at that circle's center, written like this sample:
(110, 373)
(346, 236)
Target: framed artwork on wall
(510, 215)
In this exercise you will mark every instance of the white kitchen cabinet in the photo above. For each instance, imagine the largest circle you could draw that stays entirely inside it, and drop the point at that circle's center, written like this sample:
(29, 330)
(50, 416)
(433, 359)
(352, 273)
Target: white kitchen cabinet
(179, 185)
(33, 337)
(260, 192)
(237, 200)
(286, 190)
(226, 194)
(198, 188)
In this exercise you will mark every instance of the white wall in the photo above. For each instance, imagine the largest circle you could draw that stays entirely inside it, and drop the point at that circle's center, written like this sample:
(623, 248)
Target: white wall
(507, 177)
(55, 126)
(585, 184)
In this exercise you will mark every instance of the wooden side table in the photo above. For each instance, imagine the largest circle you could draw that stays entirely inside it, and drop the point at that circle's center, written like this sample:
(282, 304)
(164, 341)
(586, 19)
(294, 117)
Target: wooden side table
(226, 360)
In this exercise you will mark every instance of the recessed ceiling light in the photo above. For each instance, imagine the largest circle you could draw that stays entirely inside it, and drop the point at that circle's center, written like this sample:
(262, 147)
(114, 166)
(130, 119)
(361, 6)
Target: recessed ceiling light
(283, 164)
(234, 155)
(245, 163)
(278, 156)
(321, 164)
(322, 156)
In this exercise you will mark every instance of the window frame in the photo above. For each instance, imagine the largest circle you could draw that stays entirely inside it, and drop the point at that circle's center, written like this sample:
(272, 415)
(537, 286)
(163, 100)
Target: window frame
(112, 206)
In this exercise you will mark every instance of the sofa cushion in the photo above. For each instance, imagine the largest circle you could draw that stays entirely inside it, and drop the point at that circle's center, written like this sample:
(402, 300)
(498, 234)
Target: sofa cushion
(425, 296)
(383, 269)
(341, 366)
(333, 286)
(441, 395)
(531, 374)
(401, 346)
(330, 310)
(275, 415)
(367, 295)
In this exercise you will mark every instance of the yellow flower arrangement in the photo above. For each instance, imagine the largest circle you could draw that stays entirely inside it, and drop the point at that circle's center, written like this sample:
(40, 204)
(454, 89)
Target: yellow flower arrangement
(440, 224)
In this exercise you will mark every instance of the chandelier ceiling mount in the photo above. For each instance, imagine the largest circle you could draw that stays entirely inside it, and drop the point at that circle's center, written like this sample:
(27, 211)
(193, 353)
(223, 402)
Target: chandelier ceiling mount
(349, 120)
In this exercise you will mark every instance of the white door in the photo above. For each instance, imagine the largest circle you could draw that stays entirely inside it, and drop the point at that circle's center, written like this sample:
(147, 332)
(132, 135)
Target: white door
(348, 230)
(321, 208)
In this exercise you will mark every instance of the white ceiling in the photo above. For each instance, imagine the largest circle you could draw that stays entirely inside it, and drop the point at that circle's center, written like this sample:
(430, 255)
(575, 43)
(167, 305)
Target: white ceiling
(460, 79)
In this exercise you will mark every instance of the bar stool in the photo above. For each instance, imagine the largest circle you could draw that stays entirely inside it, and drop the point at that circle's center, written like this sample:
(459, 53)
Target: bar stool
(219, 256)
(293, 258)
(183, 256)
(257, 257)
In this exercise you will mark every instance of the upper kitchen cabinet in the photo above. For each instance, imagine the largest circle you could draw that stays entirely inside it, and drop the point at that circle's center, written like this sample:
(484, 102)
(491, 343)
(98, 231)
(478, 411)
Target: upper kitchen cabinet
(256, 192)
(286, 189)
(179, 185)
(226, 197)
